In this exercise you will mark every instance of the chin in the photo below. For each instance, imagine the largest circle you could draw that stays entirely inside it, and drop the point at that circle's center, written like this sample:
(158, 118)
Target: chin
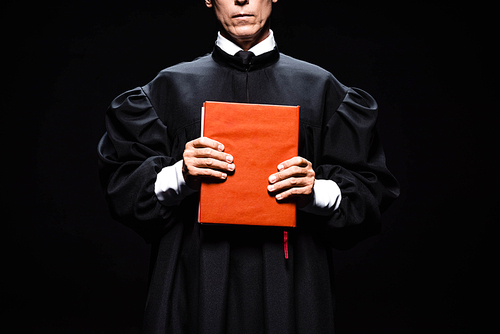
(245, 33)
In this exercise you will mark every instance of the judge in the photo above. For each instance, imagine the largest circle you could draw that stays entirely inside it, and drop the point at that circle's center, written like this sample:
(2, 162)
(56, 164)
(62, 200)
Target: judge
(233, 278)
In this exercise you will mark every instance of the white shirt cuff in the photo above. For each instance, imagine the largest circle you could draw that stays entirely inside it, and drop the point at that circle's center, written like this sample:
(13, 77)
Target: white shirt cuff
(327, 197)
(170, 187)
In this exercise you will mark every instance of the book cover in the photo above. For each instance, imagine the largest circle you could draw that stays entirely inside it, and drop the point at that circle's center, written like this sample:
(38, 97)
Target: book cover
(259, 137)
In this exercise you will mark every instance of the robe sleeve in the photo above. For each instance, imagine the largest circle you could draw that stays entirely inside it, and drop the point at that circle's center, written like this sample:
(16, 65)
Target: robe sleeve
(353, 157)
(130, 154)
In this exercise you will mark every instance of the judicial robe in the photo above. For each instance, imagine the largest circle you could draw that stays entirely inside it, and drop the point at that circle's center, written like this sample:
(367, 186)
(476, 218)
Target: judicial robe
(228, 278)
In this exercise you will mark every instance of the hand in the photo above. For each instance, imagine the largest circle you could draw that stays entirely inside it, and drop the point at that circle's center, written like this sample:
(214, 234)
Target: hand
(294, 179)
(205, 158)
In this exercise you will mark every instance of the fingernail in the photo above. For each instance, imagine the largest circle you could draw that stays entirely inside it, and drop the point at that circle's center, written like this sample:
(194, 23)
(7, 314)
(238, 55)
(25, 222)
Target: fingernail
(223, 176)
(229, 158)
(280, 167)
(221, 147)
(270, 188)
(279, 196)
(272, 178)
(230, 167)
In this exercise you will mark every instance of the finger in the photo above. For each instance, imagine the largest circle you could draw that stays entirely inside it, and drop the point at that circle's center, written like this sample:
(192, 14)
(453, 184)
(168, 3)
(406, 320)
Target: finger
(293, 193)
(196, 169)
(295, 161)
(207, 142)
(211, 154)
(211, 163)
(208, 173)
(292, 182)
(293, 171)
(207, 148)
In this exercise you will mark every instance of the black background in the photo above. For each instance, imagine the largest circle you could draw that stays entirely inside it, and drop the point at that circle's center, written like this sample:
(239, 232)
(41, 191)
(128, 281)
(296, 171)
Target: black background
(69, 268)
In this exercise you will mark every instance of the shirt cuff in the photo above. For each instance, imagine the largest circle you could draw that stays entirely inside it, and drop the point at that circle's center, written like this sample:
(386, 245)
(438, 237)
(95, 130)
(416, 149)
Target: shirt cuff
(326, 200)
(170, 187)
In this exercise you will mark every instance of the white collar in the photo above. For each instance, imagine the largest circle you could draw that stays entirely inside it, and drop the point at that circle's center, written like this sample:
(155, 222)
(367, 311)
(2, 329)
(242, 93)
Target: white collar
(229, 47)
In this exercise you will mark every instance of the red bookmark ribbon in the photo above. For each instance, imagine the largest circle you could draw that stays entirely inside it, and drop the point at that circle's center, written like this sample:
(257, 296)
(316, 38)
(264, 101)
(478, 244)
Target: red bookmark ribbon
(285, 243)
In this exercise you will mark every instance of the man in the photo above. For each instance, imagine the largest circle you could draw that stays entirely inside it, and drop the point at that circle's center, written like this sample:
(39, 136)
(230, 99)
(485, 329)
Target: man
(229, 278)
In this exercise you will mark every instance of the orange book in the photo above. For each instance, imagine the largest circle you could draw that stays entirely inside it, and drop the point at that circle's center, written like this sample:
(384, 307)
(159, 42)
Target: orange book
(259, 137)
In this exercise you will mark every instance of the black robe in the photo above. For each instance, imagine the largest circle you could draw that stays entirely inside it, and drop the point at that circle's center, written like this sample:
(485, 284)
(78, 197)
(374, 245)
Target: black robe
(235, 279)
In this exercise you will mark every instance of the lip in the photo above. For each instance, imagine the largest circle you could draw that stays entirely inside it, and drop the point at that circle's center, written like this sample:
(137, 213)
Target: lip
(242, 15)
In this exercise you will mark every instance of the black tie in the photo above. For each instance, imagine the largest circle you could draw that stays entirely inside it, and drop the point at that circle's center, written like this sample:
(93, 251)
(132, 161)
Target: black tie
(246, 56)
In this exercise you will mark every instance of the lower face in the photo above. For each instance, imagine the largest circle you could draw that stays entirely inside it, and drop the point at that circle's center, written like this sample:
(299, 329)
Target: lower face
(249, 22)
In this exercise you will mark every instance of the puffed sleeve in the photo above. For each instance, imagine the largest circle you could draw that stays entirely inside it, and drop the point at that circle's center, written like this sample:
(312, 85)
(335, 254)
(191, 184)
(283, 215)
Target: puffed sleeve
(130, 154)
(353, 157)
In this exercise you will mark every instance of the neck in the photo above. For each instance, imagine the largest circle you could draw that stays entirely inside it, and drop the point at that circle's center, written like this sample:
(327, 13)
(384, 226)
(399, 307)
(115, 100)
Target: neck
(248, 42)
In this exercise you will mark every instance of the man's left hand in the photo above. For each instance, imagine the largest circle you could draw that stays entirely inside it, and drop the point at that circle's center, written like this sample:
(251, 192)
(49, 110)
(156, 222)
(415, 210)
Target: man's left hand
(294, 180)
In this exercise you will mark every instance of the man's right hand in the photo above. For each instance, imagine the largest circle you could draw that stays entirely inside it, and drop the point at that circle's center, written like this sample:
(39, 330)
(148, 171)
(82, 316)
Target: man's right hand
(205, 158)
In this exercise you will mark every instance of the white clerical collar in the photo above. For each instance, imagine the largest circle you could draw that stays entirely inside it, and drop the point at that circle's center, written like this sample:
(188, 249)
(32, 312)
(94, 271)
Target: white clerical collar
(229, 47)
